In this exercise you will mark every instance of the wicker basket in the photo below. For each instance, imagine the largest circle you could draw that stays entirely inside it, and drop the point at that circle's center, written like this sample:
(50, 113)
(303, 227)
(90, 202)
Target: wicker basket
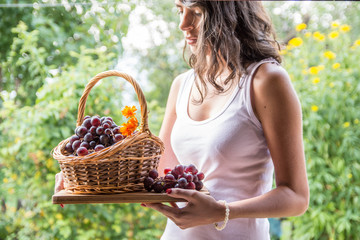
(119, 168)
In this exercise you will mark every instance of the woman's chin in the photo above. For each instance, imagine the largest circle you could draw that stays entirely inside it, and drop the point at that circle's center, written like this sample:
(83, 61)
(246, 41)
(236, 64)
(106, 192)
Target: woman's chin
(192, 48)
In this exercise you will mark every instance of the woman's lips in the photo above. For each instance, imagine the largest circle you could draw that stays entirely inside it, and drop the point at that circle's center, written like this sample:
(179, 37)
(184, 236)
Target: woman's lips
(191, 41)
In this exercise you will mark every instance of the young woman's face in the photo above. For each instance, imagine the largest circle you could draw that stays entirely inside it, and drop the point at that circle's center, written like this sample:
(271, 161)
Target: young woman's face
(190, 19)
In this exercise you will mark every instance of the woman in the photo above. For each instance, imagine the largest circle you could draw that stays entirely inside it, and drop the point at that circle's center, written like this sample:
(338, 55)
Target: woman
(236, 116)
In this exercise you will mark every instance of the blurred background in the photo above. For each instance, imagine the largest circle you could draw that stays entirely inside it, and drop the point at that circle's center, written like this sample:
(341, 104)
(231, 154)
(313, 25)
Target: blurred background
(50, 49)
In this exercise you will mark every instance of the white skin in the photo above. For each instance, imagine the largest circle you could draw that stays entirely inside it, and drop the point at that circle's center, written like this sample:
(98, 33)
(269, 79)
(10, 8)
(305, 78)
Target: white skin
(282, 126)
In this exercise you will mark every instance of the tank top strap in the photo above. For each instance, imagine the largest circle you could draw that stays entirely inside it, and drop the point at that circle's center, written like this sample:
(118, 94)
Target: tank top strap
(247, 87)
(183, 95)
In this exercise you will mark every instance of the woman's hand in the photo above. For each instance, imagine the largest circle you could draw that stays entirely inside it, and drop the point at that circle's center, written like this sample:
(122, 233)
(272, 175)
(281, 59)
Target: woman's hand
(201, 209)
(59, 182)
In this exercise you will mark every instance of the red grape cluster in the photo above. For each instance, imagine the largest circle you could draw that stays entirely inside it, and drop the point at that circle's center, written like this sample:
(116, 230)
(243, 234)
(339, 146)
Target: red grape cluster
(93, 135)
(181, 176)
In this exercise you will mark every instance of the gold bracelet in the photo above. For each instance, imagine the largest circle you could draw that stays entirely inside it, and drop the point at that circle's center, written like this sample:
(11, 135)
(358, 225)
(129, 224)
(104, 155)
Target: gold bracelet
(227, 213)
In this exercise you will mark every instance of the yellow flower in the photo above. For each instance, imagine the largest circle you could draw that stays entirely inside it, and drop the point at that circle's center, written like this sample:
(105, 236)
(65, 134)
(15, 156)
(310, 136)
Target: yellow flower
(14, 176)
(346, 124)
(318, 36)
(308, 34)
(345, 28)
(283, 52)
(296, 42)
(300, 27)
(336, 65)
(316, 69)
(330, 55)
(129, 112)
(333, 34)
(5, 180)
(59, 216)
(314, 108)
(316, 80)
(332, 84)
(356, 121)
(349, 176)
(357, 42)
(335, 24)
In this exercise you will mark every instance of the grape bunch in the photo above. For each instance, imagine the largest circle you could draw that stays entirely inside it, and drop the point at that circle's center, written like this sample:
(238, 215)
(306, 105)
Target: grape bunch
(186, 177)
(93, 135)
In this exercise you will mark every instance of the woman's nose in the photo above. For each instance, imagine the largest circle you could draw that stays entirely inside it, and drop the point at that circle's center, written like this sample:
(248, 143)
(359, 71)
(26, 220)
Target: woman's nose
(186, 21)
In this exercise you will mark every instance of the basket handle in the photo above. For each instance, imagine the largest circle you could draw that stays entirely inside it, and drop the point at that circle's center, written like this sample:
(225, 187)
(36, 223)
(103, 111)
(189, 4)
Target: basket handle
(143, 106)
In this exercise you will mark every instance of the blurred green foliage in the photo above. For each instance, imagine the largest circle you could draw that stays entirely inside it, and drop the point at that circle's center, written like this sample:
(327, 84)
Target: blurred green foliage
(48, 54)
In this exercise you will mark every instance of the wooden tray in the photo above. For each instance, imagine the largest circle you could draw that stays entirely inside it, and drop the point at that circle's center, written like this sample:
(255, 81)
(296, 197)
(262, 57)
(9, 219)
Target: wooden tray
(64, 197)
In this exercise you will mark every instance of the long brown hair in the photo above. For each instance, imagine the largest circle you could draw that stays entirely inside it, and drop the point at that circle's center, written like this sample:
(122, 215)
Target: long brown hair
(235, 32)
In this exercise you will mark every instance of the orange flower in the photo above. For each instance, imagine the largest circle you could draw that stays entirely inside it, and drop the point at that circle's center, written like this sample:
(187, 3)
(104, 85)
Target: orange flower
(128, 128)
(133, 122)
(129, 112)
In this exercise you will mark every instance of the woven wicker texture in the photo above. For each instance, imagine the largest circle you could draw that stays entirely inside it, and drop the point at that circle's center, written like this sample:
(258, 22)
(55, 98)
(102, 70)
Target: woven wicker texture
(119, 168)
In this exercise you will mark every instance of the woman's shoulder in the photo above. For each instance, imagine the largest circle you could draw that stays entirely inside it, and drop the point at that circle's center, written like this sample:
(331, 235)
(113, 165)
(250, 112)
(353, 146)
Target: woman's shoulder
(178, 82)
(270, 75)
(179, 79)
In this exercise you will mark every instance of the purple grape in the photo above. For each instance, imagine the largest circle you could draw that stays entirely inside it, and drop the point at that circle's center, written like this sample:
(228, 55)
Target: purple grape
(158, 187)
(169, 177)
(104, 139)
(69, 148)
(200, 176)
(191, 168)
(108, 131)
(109, 119)
(86, 117)
(179, 169)
(190, 185)
(87, 123)
(153, 174)
(106, 125)
(189, 177)
(148, 182)
(73, 139)
(116, 130)
(118, 138)
(195, 178)
(81, 131)
(199, 185)
(92, 144)
(173, 172)
(85, 145)
(169, 185)
(182, 182)
(76, 145)
(95, 121)
(93, 130)
(82, 151)
(99, 131)
(88, 137)
(99, 147)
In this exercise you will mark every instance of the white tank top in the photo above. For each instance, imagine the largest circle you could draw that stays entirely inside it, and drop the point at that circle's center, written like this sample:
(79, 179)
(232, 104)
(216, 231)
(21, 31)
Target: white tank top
(231, 150)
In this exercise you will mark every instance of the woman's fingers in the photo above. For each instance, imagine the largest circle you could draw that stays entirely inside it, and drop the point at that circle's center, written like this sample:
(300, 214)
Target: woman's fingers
(59, 182)
(170, 212)
(187, 194)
